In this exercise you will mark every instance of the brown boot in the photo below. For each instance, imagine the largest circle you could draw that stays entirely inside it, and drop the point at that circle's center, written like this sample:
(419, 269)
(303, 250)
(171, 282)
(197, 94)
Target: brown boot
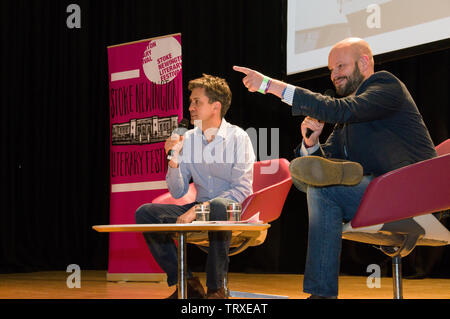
(195, 290)
(216, 294)
(319, 171)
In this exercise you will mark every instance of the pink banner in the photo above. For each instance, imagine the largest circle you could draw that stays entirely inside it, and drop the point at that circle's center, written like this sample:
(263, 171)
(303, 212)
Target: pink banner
(146, 105)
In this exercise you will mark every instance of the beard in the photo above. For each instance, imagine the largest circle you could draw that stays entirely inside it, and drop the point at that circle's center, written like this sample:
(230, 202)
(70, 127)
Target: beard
(353, 82)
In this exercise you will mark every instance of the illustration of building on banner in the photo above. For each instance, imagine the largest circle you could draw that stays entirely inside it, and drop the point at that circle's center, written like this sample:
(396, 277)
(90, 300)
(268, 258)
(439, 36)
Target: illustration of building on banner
(144, 130)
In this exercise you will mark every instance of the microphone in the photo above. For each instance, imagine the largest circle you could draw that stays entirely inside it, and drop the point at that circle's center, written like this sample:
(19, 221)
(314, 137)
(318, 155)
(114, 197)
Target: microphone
(182, 127)
(330, 93)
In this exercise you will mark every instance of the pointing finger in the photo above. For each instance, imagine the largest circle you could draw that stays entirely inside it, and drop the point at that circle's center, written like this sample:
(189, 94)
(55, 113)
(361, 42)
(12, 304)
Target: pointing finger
(242, 69)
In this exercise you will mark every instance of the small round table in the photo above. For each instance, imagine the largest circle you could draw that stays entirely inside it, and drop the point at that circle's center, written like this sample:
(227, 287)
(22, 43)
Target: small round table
(182, 230)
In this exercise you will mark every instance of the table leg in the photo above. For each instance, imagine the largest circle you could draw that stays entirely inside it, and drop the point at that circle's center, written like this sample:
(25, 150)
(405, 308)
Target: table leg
(182, 289)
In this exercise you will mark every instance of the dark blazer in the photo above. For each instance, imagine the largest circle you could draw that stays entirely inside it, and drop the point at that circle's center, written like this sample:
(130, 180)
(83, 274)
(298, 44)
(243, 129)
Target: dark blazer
(380, 127)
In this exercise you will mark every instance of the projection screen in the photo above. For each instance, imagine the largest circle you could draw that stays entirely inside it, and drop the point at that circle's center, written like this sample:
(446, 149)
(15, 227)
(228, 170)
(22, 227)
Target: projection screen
(387, 25)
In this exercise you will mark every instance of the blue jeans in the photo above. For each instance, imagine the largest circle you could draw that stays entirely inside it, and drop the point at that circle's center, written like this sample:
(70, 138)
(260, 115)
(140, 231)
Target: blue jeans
(328, 208)
(164, 250)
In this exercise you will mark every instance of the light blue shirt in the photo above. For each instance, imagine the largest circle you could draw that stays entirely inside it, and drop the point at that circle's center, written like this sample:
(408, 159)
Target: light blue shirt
(222, 168)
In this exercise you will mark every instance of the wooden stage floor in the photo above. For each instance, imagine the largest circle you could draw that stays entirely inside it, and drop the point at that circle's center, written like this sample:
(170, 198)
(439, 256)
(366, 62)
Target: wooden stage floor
(52, 285)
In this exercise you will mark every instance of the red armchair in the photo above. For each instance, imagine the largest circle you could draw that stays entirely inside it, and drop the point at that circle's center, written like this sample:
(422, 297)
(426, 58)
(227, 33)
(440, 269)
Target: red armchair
(396, 210)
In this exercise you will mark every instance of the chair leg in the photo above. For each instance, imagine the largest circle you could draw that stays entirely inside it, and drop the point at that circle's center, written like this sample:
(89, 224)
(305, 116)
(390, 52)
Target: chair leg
(397, 276)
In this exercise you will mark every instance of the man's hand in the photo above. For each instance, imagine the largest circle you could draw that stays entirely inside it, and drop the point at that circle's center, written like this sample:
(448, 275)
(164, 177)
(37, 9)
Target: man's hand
(315, 126)
(187, 217)
(252, 80)
(174, 143)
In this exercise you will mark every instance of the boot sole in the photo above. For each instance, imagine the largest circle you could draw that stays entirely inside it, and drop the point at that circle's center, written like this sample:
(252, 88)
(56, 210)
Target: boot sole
(319, 171)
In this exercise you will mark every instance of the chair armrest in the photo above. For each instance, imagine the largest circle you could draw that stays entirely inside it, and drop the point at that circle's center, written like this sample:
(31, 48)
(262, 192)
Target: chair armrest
(413, 190)
(443, 148)
(268, 202)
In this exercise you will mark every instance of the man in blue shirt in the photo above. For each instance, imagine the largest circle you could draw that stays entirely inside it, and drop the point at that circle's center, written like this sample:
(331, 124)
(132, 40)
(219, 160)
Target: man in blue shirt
(378, 128)
(218, 157)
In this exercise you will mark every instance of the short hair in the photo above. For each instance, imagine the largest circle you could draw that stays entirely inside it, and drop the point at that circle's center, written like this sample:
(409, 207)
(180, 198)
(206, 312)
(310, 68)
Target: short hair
(216, 89)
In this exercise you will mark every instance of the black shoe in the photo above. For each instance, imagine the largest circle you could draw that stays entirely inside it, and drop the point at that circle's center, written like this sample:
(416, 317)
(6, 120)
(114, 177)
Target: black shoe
(194, 290)
(216, 294)
(321, 297)
(319, 171)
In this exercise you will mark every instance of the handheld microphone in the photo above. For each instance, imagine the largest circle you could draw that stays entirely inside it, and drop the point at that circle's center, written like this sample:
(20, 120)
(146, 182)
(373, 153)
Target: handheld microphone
(330, 93)
(182, 127)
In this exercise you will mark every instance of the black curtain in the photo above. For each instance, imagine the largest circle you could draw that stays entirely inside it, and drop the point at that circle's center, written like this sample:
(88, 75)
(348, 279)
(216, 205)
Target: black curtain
(55, 123)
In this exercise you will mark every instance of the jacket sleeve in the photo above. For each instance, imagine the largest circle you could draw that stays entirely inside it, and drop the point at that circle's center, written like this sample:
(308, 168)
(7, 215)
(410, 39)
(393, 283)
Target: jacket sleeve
(332, 148)
(378, 97)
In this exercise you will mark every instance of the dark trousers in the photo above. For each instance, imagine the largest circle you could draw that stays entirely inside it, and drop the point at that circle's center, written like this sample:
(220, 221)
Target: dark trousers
(164, 250)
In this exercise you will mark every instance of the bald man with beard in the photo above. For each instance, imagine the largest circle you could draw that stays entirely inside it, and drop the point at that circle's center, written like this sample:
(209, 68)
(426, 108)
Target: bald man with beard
(377, 129)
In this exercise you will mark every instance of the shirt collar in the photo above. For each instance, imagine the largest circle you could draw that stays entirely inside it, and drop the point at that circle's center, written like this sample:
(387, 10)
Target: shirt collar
(222, 132)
